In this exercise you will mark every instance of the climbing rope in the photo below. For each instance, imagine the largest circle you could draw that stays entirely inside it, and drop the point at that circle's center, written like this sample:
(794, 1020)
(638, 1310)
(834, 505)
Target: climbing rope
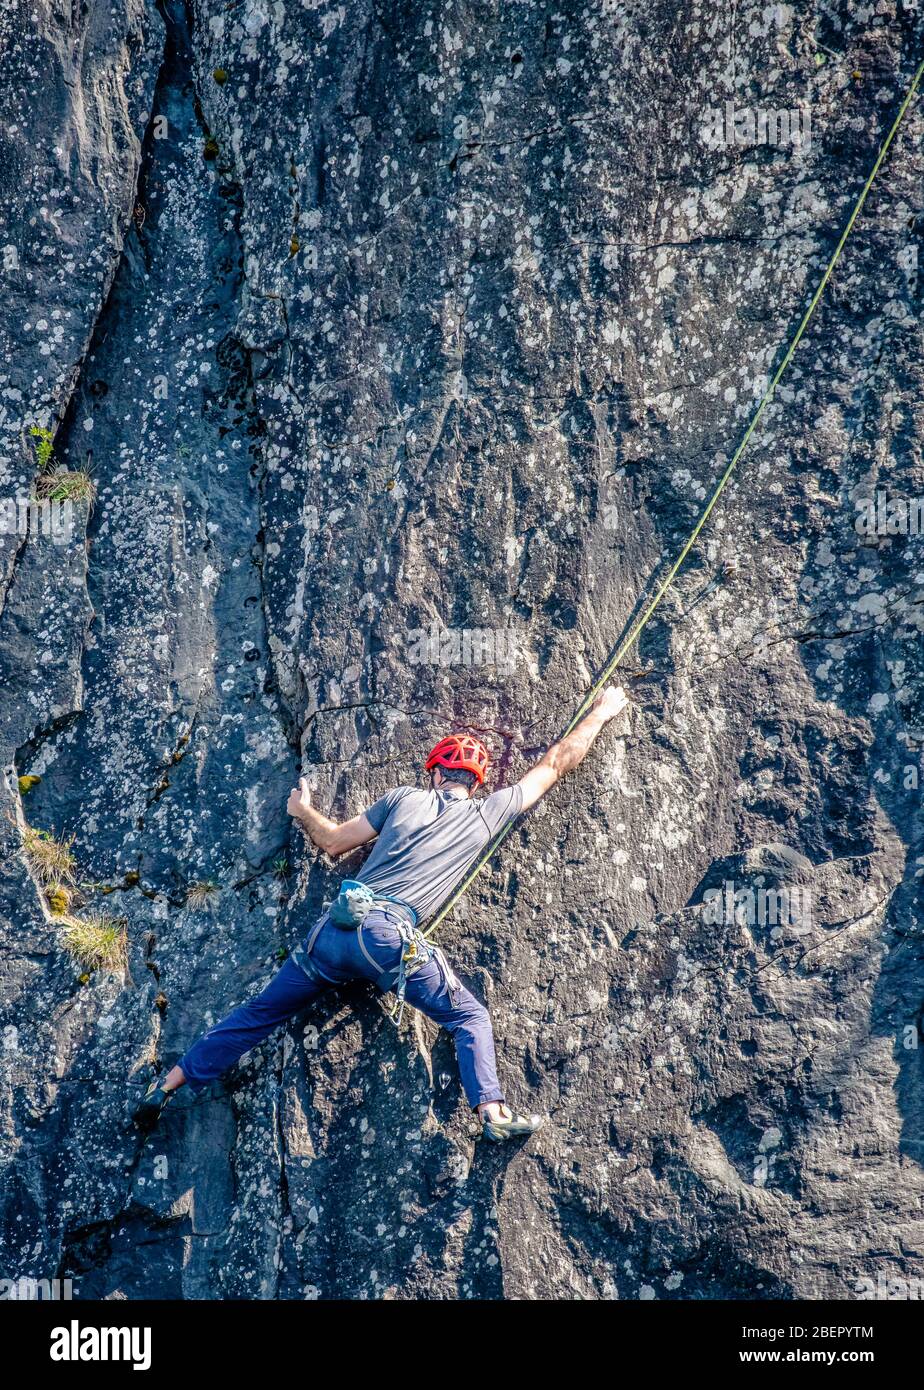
(638, 627)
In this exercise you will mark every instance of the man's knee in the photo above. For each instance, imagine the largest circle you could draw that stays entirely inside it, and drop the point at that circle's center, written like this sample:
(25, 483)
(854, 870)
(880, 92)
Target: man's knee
(468, 1012)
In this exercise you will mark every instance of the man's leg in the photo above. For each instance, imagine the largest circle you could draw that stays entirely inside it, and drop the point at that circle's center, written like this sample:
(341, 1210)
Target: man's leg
(288, 992)
(459, 1012)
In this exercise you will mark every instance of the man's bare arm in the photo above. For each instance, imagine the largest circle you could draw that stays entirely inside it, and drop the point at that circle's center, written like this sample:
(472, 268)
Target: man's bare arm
(571, 750)
(334, 839)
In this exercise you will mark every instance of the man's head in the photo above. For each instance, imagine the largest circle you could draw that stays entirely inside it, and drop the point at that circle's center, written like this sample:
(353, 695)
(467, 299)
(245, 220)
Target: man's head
(458, 759)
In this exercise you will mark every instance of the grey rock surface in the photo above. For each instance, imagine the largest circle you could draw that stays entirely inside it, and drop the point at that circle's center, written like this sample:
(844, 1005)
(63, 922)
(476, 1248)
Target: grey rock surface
(371, 320)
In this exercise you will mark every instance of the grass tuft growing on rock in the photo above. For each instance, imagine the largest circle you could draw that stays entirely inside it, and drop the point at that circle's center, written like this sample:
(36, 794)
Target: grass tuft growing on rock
(98, 942)
(63, 485)
(201, 894)
(51, 860)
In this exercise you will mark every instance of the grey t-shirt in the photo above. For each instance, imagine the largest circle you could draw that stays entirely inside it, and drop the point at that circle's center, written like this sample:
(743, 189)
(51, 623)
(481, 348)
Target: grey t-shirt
(427, 840)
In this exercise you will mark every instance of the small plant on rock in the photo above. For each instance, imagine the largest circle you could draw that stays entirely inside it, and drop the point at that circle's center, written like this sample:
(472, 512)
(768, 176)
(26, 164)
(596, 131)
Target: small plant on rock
(44, 448)
(97, 942)
(52, 861)
(64, 485)
(201, 894)
(59, 898)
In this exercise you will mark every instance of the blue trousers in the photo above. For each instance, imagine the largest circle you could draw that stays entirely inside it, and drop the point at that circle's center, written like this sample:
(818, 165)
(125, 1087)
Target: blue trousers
(337, 957)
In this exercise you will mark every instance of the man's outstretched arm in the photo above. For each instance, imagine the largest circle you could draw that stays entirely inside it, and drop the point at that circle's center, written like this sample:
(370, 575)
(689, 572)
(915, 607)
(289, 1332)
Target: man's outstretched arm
(334, 839)
(565, 755)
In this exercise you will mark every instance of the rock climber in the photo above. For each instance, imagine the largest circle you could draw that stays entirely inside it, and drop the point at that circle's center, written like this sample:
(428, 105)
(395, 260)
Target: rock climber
(425, 842)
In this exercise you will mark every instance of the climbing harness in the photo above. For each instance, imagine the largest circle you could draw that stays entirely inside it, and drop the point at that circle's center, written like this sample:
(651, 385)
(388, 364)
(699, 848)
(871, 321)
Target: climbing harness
(349, 911)
(636, 628)
(417, 952)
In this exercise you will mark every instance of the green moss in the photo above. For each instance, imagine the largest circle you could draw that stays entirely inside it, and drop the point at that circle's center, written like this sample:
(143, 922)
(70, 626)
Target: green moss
(58, 898)
(210, 148)
(26, 784)
(220, 75)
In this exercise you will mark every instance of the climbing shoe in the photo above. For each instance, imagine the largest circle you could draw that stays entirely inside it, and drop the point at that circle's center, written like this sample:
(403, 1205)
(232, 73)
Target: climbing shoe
(516, 1127)
(149, 1111)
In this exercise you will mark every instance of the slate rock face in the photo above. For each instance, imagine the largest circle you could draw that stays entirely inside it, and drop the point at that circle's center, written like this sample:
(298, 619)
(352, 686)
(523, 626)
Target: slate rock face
(403, 344)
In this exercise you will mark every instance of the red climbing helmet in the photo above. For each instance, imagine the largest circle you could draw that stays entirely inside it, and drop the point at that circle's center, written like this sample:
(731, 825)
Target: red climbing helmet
(460, 750)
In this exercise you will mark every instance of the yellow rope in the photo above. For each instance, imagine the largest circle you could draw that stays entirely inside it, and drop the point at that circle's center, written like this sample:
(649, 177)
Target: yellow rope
(640, 624)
